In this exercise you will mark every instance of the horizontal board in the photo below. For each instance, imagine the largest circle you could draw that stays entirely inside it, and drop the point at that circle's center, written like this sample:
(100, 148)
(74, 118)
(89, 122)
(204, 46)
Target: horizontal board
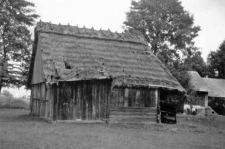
(129, 108)
(134, 110)
(132, 120)
(132, 115)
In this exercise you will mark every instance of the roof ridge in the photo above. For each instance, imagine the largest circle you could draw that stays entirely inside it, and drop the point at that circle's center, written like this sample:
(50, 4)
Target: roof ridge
(86, 32)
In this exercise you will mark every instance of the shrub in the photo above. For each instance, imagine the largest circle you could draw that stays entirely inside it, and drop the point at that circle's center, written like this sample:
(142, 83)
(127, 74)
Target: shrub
(8, 101)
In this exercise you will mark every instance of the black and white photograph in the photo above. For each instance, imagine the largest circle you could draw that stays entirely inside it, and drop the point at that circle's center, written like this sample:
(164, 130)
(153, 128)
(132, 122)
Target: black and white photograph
(112, 74)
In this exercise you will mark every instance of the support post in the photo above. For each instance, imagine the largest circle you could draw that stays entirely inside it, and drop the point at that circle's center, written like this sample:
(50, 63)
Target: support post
(157, 98)
(206, 100)
(31, 100)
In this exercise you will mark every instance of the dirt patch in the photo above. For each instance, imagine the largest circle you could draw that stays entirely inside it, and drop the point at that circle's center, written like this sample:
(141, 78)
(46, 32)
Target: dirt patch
(21, 131)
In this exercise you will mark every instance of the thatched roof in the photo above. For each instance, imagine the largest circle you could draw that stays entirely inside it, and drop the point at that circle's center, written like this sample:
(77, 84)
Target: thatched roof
(217, 87)
(71, 53)
(197, 82)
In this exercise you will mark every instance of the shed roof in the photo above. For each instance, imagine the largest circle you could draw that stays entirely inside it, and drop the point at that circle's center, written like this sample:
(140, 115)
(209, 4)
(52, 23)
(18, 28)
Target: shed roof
(197, 82)
(70, 53)
(217, 87)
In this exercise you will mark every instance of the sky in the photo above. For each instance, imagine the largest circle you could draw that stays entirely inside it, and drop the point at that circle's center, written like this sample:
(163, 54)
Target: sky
(110, 14)
(104, 14)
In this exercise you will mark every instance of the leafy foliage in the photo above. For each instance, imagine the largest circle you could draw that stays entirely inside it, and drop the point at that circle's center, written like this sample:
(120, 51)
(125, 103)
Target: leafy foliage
(216, 62)
(7, 94)
(7, 100)
(196, 63)
(170, 31)
(179, 71)
(15, 39)
(166, 26)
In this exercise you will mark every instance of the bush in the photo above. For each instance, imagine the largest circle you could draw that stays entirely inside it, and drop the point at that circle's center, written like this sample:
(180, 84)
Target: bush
(8, 101)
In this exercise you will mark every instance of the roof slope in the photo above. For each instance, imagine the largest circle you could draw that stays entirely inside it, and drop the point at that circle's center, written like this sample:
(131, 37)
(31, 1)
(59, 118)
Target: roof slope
(217, 87)
(197, 82)
(72, 53)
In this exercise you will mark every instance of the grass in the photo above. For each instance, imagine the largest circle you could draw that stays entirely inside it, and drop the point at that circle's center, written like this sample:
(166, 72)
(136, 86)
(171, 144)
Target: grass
(21, 131)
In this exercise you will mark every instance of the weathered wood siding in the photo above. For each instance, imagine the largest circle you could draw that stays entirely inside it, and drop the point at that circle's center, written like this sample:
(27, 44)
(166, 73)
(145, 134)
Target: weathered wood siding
(133, 97)
(85, 100)
(133, 105)
(93, 100)
(41, 100)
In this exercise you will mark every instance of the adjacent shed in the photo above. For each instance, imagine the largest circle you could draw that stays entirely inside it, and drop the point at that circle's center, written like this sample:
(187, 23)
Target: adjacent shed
(197, 83)
(216, 94)
(86, 74)
(216, 86)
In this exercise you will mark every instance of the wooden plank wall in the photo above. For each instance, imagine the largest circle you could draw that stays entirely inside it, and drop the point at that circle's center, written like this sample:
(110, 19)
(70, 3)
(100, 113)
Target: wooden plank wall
(133, 97)
(84, 100)
(133, 105)
(41, 100)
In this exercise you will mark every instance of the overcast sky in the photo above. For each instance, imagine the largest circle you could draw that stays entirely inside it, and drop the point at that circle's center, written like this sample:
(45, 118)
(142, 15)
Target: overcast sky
(209, 14)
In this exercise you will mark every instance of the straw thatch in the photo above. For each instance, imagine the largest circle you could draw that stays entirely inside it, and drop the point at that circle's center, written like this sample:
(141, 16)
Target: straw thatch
(71, 53)
(217, 87)
(197, 83)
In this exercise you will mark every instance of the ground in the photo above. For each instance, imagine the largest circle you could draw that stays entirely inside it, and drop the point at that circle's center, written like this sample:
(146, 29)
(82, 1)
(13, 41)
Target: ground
(18, 130)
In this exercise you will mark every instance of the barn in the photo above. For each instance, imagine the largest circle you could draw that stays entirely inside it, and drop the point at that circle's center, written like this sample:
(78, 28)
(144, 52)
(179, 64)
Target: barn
(81, 74)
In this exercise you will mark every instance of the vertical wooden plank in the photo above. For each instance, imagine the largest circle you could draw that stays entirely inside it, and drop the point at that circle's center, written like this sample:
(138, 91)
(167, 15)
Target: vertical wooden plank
(126, 97)
(80, 101)
(74, 101)
(39, 101)
(105, 98)
(101, 101)
(69, 101)
(51, 103)
(93, 100)
(83, 101)
(46, 103)
(90, 86)
(97, 100)
(157, 98)
(87, 100)
(31, 99)
(57, 104)
(206, 100)
(85, 110)
(77, 102)
(108, 100)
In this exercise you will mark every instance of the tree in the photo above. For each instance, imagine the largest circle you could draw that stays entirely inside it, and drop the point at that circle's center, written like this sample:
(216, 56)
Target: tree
(7, 94)
(195, 62)
(216, 61)
(166, 26)
(15, 40)
(179, 71)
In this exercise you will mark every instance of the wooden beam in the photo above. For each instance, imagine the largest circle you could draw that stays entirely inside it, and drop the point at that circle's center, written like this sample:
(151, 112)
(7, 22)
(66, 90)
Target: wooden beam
(206, 100)
(157, 98)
